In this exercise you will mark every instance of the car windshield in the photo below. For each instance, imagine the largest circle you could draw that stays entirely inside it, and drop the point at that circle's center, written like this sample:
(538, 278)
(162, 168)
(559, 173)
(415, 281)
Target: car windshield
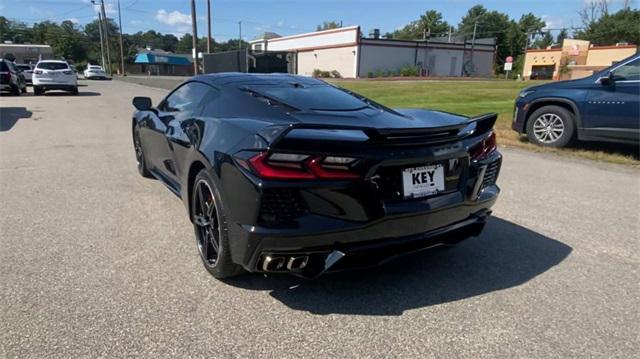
(53, 66)
(318, 97)
(95, 68)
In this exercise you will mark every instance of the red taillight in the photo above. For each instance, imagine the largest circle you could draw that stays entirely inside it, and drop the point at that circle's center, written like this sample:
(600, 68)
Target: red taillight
(306, 167)
(485, 147)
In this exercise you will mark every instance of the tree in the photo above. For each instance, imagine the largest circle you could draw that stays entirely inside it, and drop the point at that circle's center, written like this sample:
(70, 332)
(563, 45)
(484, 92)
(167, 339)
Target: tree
(490, 24)
(610, 29)
(430, 23)
(327, 25)
(563, 34)
(545, 41)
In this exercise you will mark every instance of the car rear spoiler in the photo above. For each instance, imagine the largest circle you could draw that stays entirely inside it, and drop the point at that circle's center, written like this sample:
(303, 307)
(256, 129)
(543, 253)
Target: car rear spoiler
(477, 125)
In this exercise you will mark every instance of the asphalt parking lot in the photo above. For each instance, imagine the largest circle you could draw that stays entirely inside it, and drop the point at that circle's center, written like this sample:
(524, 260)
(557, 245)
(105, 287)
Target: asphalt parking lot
(97, 261)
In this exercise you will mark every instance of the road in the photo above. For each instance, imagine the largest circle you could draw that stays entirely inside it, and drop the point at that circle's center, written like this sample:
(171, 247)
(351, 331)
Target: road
(97, 261)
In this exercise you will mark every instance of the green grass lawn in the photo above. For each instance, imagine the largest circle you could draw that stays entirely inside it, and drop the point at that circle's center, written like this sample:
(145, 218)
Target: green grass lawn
(475, 98)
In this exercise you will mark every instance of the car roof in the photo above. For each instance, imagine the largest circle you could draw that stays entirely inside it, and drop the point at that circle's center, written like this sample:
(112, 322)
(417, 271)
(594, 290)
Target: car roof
(236, 79)
(58, 61)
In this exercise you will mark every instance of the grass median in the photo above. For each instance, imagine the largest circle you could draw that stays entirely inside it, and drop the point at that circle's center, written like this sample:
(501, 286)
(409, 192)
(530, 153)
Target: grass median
(477, 97)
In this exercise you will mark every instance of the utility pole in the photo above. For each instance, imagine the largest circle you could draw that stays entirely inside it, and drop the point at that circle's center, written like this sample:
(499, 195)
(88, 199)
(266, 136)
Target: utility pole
(208, 26)
(239, 35)
(104, 64)
(121, 45)
(473, 45)
(106, 36)
(449, 34)
(194, 28)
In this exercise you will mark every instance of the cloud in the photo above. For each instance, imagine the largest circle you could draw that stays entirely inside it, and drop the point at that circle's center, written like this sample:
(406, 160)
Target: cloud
(109, 9)
(553, 22)
(173, 18)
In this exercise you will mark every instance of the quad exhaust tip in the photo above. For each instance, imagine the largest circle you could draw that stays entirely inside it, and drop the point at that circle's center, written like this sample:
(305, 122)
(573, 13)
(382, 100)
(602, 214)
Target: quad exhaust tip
(310, 265)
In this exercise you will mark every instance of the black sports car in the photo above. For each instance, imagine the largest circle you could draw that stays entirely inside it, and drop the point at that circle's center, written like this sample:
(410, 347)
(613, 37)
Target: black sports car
(283, 173)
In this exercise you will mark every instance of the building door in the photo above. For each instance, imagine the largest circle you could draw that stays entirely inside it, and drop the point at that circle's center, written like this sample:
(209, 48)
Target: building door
(542, 72)
(454, 66)
(431, 65)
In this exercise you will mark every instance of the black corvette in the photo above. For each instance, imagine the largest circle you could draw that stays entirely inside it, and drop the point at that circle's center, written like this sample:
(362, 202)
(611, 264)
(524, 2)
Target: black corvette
(282, 173)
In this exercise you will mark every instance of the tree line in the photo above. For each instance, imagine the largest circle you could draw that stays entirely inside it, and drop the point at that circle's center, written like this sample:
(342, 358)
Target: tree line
(81, 44)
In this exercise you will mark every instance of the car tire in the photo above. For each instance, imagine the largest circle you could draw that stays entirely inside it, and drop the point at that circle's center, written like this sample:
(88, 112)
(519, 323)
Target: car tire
(74, 91)
(24, 89)
(15, 90)
(37, 91)
(137, 147)
(551, 126)
(210, 227)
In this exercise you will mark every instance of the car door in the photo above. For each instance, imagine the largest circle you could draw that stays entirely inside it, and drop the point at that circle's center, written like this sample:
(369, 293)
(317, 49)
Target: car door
(613, 107)
(161, 130)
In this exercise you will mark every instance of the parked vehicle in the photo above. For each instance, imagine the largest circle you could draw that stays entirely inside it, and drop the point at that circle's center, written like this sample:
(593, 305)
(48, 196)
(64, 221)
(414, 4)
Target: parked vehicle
(11, 80)
(601, 107)
(94, 72)
(284, 173)
(27, 71)
(54, 75)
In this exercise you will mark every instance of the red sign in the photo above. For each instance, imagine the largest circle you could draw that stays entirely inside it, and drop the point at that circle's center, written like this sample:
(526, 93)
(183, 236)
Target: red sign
(509, 59)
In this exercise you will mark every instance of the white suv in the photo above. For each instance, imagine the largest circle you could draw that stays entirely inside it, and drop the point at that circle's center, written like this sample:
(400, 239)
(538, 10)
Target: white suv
(54, 75)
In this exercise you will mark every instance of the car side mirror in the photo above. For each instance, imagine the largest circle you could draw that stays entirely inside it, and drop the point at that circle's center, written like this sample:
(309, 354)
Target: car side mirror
(606, 80)
(142, 103)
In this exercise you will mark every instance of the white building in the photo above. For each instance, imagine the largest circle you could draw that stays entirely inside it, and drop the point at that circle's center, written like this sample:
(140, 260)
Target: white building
(346, 51)
(26, 53)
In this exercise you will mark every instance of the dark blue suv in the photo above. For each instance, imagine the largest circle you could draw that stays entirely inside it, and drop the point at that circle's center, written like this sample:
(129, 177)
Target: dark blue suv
(602, 107)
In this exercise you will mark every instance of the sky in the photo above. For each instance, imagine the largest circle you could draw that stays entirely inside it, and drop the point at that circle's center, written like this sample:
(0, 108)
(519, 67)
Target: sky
(285, 17)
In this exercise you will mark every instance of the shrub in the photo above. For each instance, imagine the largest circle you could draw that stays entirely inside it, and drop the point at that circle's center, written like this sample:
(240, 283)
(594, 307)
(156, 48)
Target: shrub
(409, 70)
(335, 74)
(321, 73)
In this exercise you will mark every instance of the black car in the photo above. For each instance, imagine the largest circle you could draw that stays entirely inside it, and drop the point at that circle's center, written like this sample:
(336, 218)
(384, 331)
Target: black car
(283, 173)
(11, 79)
(601, 107)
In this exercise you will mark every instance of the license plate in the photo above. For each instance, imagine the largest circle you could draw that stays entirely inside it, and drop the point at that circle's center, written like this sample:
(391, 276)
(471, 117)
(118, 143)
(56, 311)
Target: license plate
(422, 181)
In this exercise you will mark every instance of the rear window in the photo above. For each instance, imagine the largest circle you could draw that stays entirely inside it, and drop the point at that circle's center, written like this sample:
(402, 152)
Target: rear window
(3, 66)
(52, 66)
(95, 68)
(24, 67)
(320, 97)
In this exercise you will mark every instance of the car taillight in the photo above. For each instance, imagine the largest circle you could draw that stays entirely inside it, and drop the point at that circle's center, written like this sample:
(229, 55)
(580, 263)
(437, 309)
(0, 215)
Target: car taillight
(296, 166)
(485, 147)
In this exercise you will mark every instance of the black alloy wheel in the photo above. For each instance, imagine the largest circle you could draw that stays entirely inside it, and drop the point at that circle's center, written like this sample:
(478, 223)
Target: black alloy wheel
(209, 223)
(137, 146)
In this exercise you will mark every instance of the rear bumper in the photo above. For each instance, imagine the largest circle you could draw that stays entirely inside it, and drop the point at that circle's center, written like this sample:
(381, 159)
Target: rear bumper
(367, 245)
(56, 87)
(402, 227)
